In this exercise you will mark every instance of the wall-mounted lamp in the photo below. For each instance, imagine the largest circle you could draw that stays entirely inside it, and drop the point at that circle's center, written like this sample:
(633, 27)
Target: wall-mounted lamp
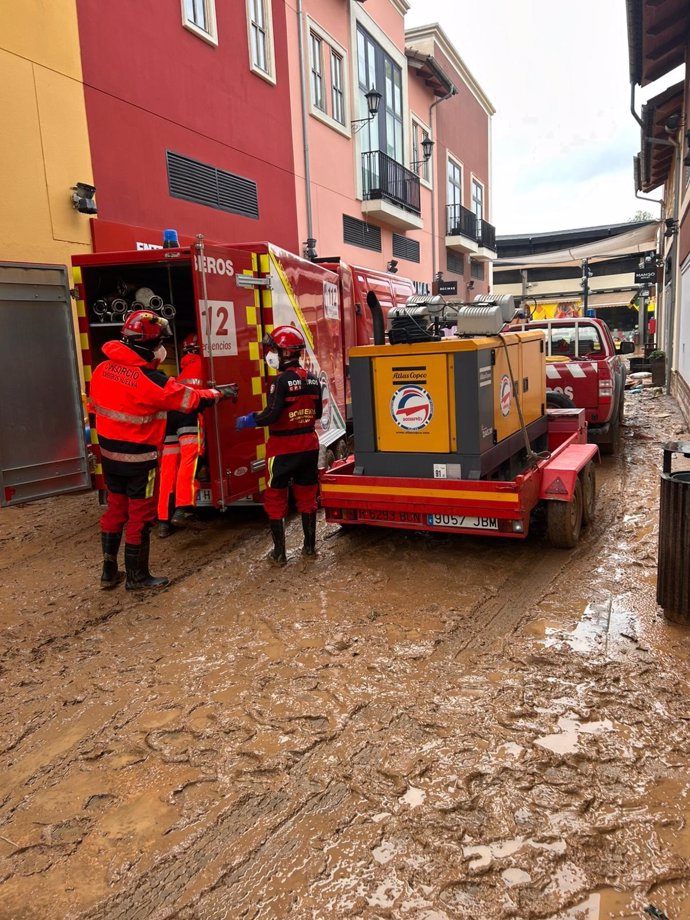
(392, 266)
(82, 198)
(671, 226)
(373, 102)
(470, 285)
(309, 249)
(427, 147)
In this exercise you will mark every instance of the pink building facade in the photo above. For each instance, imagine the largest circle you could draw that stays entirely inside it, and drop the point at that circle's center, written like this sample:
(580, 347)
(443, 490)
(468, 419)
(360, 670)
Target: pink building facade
(366, 189)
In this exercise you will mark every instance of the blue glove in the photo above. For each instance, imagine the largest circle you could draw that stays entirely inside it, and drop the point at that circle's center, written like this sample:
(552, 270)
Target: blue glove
(245, 421)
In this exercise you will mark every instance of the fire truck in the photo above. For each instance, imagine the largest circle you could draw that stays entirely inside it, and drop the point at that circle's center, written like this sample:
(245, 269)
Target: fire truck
(452, 434)
(230, 296)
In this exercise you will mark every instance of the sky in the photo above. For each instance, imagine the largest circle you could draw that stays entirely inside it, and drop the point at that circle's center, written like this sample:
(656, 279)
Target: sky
(563, 136)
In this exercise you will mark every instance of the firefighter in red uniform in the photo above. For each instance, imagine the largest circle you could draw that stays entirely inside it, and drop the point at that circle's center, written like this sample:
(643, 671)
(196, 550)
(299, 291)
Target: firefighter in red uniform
(130, 399)
(294, 406)
(182, 448)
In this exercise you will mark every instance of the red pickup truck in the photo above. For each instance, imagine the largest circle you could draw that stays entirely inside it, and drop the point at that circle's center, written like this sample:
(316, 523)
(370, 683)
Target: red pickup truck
(584, 370)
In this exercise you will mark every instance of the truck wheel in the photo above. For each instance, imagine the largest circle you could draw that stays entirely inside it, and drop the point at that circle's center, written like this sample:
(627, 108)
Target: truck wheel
(558, 401)
(589, 493)
(564, 519)
(608, 447)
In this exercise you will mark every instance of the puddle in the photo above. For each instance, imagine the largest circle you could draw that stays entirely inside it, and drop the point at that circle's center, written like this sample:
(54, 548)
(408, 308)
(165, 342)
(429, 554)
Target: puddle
(413, 797)
(606, 629)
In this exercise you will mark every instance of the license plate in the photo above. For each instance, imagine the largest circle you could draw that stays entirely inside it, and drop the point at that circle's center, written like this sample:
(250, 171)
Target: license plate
(204, 497)
(405, 517)
(466, 522)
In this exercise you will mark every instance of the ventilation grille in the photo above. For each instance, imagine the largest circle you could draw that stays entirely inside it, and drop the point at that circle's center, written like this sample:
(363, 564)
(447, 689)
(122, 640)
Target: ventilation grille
(404, 248)
(455, 262)
(215, 188)
(358, 233)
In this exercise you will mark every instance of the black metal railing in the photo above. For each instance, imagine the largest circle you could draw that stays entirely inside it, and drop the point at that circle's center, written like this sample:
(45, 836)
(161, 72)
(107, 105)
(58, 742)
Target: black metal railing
(384, 177)
(487, 235)
(461, 222)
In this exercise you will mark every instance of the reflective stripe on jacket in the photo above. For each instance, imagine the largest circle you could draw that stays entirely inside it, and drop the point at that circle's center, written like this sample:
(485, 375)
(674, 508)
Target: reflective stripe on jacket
(130, 399)
(294, 407)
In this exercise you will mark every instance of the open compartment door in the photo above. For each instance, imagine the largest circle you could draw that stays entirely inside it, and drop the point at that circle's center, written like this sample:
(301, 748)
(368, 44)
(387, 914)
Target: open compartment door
(42, 444)
(229, 322)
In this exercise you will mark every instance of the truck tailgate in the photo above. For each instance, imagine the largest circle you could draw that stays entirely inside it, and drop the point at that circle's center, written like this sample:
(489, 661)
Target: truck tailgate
(578, 380)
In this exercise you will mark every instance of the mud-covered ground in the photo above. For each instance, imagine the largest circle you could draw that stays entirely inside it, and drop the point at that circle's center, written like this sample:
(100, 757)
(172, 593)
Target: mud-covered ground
(413, 727)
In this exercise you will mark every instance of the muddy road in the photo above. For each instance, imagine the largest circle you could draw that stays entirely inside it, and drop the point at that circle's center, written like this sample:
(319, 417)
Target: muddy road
(410, 726)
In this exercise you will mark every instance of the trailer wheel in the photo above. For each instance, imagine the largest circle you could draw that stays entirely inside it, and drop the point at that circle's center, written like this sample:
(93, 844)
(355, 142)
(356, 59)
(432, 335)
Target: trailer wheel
(589, 493)
(564, 519)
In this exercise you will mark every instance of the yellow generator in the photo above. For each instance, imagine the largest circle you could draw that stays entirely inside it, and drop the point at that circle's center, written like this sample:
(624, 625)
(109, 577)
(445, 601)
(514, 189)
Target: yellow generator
(460, 399)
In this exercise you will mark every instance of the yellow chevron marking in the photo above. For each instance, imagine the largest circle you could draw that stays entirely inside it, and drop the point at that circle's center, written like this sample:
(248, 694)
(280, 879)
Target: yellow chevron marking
(254, 351)
(81, 308)
(256, 386)
(251, 316)
(293, 300)
(83, 341)
(76, 274)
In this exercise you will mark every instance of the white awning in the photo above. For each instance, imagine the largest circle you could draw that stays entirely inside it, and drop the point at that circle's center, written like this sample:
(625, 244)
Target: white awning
(617, 299)
(642, 239)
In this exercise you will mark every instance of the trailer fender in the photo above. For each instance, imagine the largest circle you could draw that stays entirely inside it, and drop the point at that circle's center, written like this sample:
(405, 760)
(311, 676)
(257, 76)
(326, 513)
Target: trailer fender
(559, 474)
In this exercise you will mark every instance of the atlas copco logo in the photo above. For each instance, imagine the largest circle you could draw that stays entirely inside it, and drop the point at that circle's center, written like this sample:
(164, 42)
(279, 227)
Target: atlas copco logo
(412, 407)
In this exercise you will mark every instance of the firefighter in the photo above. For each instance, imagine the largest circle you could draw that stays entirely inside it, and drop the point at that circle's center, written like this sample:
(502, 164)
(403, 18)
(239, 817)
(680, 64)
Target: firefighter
(130, 399)
(294, 406)
(182, 449)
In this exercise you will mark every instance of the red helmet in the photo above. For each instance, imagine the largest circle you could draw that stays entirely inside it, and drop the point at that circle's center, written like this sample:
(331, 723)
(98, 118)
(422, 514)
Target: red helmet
(285, 338)
(143, 326)
(190, 344)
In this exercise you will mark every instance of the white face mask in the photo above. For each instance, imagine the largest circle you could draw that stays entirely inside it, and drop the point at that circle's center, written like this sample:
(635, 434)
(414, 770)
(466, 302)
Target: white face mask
(273, 360)
(160, 354)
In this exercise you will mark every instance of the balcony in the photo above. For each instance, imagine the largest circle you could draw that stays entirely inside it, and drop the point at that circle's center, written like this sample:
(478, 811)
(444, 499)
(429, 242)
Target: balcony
(468, 234)
(390, 192)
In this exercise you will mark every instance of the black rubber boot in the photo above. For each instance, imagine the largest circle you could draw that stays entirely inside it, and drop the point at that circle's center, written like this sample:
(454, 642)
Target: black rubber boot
(277, 555)
(309, 528)
(137, 566)
(111, 575)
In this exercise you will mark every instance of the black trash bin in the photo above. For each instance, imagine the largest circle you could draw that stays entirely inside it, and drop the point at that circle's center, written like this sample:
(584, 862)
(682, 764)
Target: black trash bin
(673, 567)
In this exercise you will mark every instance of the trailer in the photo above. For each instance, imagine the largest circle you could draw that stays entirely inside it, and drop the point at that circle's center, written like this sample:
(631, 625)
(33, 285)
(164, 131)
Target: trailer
(452, 434)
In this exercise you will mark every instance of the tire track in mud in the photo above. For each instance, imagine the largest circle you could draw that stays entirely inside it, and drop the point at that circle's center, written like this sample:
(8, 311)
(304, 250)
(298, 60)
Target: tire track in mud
(509, 607)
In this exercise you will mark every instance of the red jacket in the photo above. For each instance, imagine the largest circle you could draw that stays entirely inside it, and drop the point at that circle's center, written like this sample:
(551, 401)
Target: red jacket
(294, 406)
(191, 371)
(131, 399)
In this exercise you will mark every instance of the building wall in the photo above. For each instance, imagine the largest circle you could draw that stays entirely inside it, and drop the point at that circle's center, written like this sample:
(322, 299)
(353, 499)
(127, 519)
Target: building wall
(152, 86)
(335, 151)
(44, 146)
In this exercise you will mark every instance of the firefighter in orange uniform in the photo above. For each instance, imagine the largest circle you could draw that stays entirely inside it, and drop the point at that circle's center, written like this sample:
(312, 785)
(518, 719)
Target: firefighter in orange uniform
(294, 407)
(131, 399)
(182, 449)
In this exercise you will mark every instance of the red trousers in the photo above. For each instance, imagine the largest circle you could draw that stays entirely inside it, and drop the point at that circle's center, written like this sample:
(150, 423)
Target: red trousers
(178, 474)
(299, 470)
(131, 503)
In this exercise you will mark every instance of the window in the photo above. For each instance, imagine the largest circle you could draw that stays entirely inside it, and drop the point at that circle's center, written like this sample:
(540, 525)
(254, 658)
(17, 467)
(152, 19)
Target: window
(260, 38)
(317, 93)
(327, 62)
(376, 68)
(194, 181)
(455, 262)
(454, 192)
(478, 200)
(199, 16)
(359, 233)
(422, 167)
(405, 248)
(477, 270)
(337, 98)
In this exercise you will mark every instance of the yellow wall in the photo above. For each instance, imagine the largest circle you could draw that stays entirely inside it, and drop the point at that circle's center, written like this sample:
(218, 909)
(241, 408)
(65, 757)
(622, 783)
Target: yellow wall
(44, 145)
